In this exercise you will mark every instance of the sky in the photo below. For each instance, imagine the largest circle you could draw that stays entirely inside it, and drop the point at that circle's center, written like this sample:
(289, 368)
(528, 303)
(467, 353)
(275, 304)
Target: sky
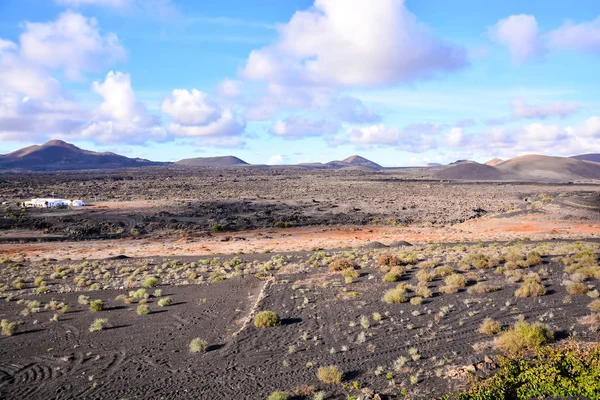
(283, 82)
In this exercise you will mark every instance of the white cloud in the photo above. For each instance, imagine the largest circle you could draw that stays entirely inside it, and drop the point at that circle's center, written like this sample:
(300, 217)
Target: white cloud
(294, 127)
(522, 109)
(521, 35)
(190, 107)
(350, 43)
(350, 109)
(277, 160)
(31, 120)
(194, 114)
(580, 37)
(120, 117)
(19, 76)
(413, 138)
(589, 129)
(104, 3)
(454, 137)
(229, 88)
(72, 42)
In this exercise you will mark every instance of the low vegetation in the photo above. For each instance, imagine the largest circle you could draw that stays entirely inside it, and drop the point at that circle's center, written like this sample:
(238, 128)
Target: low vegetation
(330, 375)
(198, 345)
(266, 319)
(523, 337)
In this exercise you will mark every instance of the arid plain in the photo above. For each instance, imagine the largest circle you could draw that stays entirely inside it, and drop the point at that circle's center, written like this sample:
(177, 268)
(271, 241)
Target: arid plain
(153, 289)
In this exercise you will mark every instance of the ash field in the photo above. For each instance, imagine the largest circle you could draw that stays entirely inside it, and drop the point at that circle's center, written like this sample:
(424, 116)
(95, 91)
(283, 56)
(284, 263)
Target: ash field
(383, 284)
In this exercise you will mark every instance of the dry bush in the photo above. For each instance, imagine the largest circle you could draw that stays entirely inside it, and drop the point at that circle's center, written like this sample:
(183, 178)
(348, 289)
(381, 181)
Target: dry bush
(278, 396)
(443, 271)
(449, 289)
(481, 288)
(330, 375)
(575, 289)
(266, 319)
(198, 345)
(340, 264)
(530, 289)
(594, 306)
(490, 327)
(393, 275)
(96, 305)
(424, 276)
(533, 259)
(524, 336)
(456, 280)
(423, 291)
(8, 328)
(395, 296)
(388, 260)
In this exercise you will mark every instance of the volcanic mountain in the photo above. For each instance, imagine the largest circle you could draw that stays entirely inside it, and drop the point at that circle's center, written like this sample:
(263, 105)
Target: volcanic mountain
(472, 171)
(60, 155)
(354, 161)
(225, 161)
(588, 157)
(538, 167)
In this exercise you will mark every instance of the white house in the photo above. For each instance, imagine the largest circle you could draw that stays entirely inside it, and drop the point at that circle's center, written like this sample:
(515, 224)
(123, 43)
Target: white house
(51, 202)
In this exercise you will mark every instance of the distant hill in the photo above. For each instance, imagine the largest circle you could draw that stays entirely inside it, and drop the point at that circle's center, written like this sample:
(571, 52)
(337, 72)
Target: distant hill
(433, 164)
(60, 155)
(538, 167)
(494, 161)
(225, 161)
(588, 157)
(354, 161)
(472, 171)
(457, 162)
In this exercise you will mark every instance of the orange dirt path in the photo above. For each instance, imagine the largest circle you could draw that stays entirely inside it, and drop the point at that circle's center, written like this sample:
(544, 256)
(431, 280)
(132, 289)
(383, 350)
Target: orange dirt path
(534, 227)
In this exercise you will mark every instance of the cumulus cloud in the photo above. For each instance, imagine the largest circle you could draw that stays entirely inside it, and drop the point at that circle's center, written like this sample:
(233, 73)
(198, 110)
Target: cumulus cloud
(194, 114)
(353, 43)
(352, 110)
(120, 117)
(229, 88)
(414, 137)
(295, 127)
(521, 35)
(32, 120)
(278, 159)
(454, 137)
(522, 109)
(583, 37)
(72, 42)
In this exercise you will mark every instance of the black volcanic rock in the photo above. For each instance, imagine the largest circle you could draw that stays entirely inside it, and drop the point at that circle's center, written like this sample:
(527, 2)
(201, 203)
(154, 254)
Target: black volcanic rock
(60, 155)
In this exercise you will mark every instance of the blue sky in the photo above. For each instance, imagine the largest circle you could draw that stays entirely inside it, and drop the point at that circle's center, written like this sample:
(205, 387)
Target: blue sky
(399, 82)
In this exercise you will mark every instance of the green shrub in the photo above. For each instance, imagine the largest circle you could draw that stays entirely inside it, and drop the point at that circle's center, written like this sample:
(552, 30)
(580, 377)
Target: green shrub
(533, 259)
(480, 288)
(424, 276)
(443, 271)
(394, 275)
(524, 336)
(198, 345)
(8, 328)
(530, 289)
(568, 371)
(395, 296)
(490, 327)
(150, 282)
(96, 305)
(266, 319)
(278, 396)
(282, 224)
(142, 309)
(98, 324)
(218, 228)
(330, 375)
(350, 273)
(165, 302)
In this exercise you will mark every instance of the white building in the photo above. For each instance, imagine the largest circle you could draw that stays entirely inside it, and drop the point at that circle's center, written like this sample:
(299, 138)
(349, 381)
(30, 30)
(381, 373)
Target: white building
(51, 202)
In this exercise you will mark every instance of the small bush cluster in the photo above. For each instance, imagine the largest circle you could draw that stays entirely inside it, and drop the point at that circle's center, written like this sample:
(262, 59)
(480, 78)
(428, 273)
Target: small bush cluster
(490, 327)
(96, 305)
(530, 288)
(524, 336)
(388, 260)
(340, 264)
(266, 319)
(98, 324)
(394, 275)
(330, 375)
(198, 345)
(395, 296)
(8, 327)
